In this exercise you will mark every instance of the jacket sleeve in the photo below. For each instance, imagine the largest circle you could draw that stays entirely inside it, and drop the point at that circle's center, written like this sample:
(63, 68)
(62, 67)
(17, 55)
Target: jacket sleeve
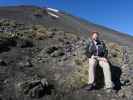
(89, 50)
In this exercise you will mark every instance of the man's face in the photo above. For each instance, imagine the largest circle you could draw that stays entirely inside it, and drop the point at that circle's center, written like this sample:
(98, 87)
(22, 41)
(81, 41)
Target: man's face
(95, 36)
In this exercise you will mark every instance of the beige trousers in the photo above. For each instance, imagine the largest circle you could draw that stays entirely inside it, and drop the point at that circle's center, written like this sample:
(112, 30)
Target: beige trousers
(106, 70)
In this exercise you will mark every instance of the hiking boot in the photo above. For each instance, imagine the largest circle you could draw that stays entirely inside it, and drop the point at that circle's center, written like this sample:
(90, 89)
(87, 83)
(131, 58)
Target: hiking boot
(89, 87)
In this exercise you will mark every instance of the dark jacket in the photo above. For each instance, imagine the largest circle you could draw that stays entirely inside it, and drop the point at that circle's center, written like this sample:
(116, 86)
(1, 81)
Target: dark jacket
(101, 51)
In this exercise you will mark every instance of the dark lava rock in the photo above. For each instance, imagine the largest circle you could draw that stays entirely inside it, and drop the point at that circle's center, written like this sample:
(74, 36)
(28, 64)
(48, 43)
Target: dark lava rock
(24, 43)
(6, 43)
(58, 53)
(51, 49)
(55, 51)
(2, 62)
(35, 88)
(25, 64)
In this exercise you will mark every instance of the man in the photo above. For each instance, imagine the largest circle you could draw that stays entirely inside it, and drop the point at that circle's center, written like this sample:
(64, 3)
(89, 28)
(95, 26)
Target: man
(97, 53)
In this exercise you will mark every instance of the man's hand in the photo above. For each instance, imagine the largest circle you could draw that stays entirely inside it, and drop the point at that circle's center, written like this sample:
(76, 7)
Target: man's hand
(94, 57)
(99, 58)
(103, 59)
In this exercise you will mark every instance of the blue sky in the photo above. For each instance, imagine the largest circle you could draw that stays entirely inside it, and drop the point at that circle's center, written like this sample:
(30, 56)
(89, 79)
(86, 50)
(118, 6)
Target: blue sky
(115, 14)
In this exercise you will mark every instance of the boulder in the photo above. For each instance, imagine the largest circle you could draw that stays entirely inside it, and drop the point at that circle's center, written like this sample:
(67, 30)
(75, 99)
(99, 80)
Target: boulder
(35, 88)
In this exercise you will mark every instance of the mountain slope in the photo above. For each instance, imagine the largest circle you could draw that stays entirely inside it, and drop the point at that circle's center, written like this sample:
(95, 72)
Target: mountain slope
(67, 22)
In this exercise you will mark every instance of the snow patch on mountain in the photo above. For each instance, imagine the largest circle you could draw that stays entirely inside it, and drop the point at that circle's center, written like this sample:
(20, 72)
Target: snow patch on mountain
(53, 12)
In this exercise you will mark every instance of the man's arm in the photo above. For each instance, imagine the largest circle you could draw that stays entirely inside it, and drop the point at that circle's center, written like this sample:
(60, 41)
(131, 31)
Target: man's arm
(89, 50)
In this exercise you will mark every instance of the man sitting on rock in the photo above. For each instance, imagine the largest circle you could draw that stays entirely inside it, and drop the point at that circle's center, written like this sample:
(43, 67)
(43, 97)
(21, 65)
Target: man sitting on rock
(97, 53)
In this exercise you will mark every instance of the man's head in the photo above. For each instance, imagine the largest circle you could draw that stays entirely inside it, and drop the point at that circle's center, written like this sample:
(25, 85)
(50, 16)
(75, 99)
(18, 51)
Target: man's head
(94, 35)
